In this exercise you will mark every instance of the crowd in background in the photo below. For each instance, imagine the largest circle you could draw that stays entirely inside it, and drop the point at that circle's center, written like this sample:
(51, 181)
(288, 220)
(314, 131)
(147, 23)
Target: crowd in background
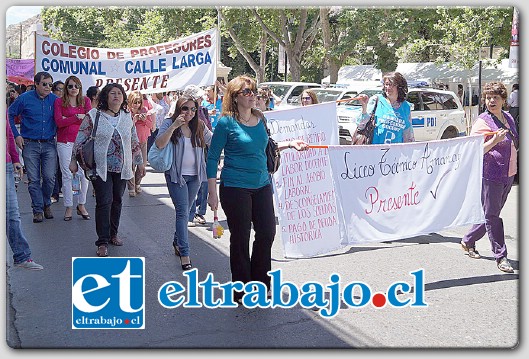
(49, 121)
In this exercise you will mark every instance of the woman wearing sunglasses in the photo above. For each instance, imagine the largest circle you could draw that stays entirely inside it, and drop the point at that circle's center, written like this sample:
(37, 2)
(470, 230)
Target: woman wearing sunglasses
(245, 184)
(263, 100)
(143, 121)
(308, 97)
(189, 136)
(69, 112)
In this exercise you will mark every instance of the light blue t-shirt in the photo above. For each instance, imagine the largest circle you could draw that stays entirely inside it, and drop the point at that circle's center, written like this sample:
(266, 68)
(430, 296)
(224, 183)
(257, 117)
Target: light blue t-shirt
(390, 123)
(244, 154)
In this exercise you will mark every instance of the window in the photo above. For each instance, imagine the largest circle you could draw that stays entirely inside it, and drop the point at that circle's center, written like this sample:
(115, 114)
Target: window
(448, 102)
(432, 101)
(415, 100)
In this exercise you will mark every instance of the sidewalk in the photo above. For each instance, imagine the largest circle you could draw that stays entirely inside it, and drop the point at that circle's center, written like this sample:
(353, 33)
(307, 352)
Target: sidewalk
(39, 303)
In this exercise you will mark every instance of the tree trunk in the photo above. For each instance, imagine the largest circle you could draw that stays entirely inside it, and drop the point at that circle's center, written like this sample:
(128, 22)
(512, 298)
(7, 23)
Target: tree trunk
(262, 58)
(334, 67)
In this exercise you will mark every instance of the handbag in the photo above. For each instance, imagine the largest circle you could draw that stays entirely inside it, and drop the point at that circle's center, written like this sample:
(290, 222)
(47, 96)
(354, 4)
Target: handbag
(273, 155)
(364, 136)
(161, 159)
(85, 153)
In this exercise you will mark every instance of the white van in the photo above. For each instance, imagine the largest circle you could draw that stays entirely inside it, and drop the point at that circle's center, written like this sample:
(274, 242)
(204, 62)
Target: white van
(436, 114)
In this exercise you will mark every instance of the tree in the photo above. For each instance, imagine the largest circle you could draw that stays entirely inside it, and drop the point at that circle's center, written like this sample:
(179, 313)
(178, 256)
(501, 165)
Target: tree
(294, 29)
(246, 38)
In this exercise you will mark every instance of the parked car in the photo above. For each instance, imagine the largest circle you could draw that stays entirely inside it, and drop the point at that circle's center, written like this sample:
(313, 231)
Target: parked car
(436, 114)
(288, 92)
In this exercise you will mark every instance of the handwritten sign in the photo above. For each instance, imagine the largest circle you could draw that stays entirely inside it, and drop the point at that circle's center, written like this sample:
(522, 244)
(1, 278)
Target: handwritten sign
(389, 192)
(157, 68)
(305, 196)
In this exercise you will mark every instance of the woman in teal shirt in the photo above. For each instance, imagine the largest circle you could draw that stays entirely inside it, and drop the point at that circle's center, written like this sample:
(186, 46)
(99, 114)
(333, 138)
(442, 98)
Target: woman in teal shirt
(393, 113)
(245, 187)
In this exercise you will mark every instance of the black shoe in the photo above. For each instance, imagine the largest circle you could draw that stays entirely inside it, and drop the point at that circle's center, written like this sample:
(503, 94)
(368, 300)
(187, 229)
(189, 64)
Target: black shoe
(38, 217)
(48, 214)
(187, 266)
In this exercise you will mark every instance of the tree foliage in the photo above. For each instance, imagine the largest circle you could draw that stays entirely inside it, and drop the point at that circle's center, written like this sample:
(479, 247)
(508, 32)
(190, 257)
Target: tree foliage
(315, 39)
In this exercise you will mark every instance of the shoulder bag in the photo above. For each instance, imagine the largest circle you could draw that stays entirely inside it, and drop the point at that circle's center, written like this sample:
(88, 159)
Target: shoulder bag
(364, 136)
(273, 155)
(161, 159)
(85, 153)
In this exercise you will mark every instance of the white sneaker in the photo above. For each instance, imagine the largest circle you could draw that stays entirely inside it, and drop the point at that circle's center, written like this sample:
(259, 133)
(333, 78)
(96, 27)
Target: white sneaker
(29, 264)
(191, 224)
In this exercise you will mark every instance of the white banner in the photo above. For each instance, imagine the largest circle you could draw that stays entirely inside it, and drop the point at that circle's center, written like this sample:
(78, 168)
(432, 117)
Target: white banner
(303, 186)
(157, 68)
(390, 192)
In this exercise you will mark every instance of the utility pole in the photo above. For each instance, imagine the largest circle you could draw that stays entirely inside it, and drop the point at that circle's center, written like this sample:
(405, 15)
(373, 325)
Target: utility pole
(20, 43)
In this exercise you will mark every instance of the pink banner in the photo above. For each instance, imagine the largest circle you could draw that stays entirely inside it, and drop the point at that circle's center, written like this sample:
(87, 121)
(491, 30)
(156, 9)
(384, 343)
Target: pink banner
(20, 67)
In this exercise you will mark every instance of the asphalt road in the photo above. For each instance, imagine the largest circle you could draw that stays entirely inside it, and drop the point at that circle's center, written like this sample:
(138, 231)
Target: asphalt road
(471, 304)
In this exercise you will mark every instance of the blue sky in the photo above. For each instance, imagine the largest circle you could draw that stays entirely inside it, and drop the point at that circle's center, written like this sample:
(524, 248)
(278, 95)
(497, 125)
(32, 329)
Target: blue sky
(16, 14)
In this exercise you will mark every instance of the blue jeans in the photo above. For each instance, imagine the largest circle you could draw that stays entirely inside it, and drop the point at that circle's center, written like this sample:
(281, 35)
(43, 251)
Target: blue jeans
(17, 241)
(201, 201)
(40, 158)
(182, 198)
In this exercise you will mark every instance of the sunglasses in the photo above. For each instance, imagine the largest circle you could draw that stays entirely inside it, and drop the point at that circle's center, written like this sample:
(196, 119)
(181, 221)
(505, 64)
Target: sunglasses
(137, 103)
(73, 87)
(185, 108)
(247, 92)
(46, 84)
(307, 98)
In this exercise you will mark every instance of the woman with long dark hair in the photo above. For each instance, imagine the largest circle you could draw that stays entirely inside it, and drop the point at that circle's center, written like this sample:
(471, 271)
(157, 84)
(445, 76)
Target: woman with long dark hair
(69, 112)
(115, 151)
(189, 136)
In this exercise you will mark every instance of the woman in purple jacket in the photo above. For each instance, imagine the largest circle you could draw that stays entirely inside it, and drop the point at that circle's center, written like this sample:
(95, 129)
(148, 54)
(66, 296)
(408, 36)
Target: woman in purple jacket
(499, 167)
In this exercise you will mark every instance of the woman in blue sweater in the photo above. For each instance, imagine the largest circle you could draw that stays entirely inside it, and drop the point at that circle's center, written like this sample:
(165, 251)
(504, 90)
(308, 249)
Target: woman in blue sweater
(245, 186)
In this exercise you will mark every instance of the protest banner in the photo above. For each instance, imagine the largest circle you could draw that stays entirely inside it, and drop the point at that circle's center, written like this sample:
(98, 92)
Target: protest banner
(390, 192)
(149, 69)
(303, 187)
(20, 67)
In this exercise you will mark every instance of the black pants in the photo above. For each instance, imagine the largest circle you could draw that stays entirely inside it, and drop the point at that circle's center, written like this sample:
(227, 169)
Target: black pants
(243, 207)
(109, 196)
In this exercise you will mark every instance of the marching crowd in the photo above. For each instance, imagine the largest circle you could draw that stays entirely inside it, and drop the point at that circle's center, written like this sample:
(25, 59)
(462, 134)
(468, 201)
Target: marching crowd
(49, 122)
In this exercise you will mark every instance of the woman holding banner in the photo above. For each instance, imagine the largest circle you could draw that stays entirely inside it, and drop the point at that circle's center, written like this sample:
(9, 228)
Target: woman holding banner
(245, 188)
(499, 167)
(392, 111)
